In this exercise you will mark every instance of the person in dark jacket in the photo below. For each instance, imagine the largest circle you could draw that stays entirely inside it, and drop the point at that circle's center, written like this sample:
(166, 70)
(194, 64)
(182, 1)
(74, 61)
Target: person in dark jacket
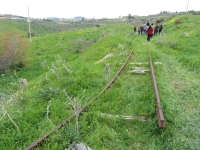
(160, 28)
(141, 29)
(148, 23)
(134, 29)
(149, 33)
(156, 29)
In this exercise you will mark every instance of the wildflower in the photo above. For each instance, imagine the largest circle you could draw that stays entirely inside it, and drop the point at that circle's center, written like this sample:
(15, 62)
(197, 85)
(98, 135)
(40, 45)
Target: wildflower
(89, 127)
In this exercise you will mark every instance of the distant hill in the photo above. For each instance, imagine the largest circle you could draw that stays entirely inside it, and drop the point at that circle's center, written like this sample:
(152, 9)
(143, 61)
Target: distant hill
(57, 18)
(53, 18)
(78, 18)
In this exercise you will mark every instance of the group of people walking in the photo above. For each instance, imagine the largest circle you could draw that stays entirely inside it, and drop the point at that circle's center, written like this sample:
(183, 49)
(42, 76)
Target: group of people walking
(149, 29)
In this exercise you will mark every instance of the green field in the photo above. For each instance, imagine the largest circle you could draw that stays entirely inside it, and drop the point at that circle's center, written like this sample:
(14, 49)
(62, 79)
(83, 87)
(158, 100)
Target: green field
(63, 68)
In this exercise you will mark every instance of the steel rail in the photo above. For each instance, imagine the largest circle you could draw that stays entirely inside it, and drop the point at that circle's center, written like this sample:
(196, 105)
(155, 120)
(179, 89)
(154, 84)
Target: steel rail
(35, 143)
(159, 111)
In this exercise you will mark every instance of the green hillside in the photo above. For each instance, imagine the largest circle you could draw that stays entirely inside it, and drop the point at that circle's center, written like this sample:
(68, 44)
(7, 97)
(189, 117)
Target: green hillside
(66, 70)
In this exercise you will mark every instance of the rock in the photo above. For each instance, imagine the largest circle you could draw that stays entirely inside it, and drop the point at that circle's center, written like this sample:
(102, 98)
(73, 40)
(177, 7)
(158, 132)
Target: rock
(79, 147)
(23, 82)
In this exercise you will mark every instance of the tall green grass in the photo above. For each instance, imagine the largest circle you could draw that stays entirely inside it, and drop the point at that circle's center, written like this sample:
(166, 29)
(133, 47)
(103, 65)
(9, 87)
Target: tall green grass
(70, 61)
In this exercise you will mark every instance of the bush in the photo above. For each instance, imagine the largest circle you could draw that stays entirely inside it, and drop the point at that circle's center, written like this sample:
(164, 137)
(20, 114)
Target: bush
(13, 50)
(17, 66)
(32, 34)
(159, 21)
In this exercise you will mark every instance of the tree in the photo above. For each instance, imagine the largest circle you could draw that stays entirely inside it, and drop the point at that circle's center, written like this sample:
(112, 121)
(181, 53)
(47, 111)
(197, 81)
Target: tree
(129, 17)
(159, 20)
(13, 50)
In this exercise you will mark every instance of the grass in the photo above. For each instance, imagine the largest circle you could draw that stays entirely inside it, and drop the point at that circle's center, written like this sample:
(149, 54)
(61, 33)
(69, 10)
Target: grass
(70, 60)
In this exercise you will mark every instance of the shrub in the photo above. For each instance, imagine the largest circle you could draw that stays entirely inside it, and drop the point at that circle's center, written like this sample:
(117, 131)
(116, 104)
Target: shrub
(32, 34)
(13, 50)
(159, 21)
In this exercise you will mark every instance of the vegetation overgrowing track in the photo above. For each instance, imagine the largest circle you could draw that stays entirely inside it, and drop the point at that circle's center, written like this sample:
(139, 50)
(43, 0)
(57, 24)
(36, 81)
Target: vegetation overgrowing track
(80, 111)
(159, 111)
(31, 111)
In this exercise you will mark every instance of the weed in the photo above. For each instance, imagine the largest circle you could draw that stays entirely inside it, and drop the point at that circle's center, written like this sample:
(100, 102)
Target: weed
(70, 134)
(48, 92)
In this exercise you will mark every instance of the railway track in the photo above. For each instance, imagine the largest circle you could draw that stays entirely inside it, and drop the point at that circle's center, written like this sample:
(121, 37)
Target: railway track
(158, 109)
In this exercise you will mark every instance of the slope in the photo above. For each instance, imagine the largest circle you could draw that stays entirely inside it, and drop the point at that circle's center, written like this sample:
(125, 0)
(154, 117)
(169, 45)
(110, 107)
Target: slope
(69, 62)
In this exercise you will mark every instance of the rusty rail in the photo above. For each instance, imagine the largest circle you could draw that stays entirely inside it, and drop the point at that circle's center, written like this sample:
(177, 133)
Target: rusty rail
(159, 111)
(35, 143)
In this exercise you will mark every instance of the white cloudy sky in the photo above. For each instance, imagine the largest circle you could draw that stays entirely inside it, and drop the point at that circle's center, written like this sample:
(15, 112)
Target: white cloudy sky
(93, 8)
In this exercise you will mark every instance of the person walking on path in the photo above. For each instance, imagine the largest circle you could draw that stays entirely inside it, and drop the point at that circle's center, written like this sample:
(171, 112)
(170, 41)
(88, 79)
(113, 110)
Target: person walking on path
(160, 29)
(134, 29)
(148, 24)
(139, 30)
(149, 33)
(156, 29)
(152, 26)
